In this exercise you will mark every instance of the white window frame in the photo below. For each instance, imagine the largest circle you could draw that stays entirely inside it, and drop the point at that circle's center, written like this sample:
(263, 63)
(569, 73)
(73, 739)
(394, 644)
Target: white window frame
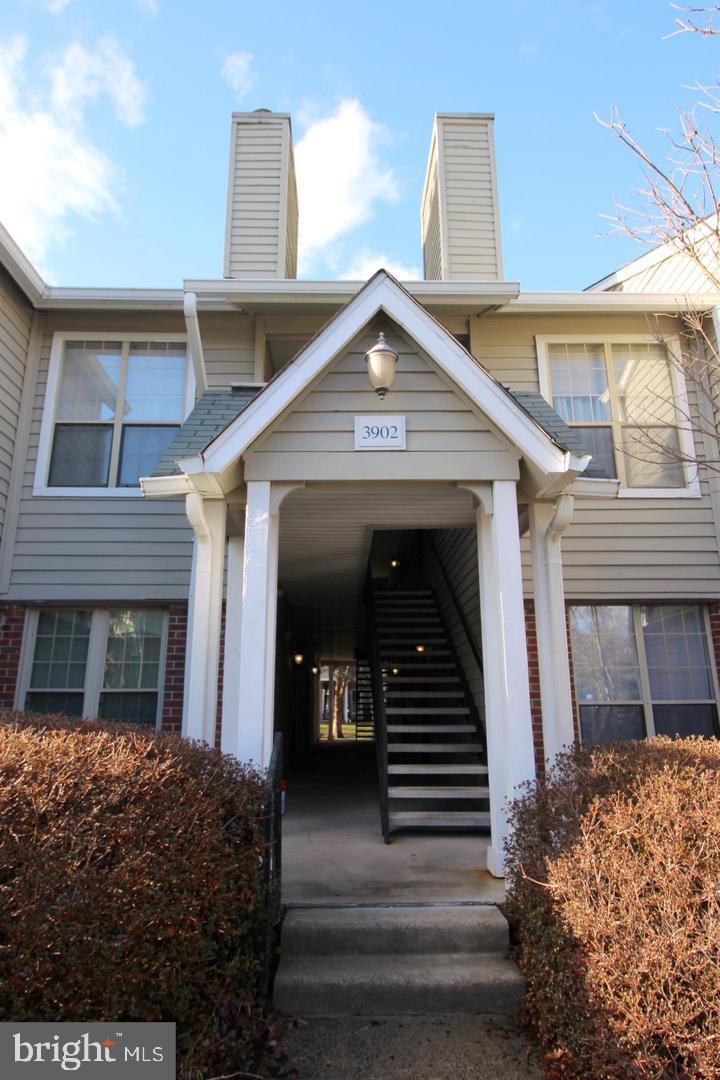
(691, 490)
(52, 389)
(646, 701)
(95, 664)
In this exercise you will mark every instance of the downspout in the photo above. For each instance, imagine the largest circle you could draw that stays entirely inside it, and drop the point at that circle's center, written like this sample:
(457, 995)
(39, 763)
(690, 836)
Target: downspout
(195, 342)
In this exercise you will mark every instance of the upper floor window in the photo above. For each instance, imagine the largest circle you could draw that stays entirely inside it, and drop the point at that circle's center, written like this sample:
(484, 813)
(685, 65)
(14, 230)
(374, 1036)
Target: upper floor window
(623, 399)
(112, 408)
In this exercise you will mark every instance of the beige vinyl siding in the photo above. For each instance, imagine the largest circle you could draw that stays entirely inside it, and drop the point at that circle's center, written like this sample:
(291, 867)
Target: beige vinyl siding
(446, 438)
(291, 223)
(98, 549)
(15, 323)
(457, 551)
(229, 348)
(460, 204)
(258, 194)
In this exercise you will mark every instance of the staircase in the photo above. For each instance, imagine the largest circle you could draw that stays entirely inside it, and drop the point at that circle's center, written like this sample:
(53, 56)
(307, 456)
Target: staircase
(364, 726)
(431, 758)
(382, 961)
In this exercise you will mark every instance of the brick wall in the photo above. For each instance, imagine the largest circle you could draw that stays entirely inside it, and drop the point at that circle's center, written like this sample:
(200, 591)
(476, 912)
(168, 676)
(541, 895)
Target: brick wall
(534, 678)
(174, 669)
(12, 621)
(714, 611)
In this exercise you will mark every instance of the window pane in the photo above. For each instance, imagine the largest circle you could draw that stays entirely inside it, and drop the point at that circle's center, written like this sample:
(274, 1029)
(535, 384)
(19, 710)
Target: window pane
(89, 381)
(43, 701)
(684, 720)
(61, 648)
(643, 384)
(677, 653)
(652, 457)
(610, 723)
(141, 450)
(155, 387)
(579, 382)
(133, 647)
(80, 455)
(598, 441)
(133, 708)
(604, 654)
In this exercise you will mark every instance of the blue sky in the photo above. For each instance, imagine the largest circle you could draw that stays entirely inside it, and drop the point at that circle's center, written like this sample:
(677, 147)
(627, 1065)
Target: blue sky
(115, 118)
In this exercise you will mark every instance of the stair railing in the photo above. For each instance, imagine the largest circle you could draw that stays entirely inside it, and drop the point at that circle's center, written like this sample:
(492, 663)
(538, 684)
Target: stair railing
(378, 696)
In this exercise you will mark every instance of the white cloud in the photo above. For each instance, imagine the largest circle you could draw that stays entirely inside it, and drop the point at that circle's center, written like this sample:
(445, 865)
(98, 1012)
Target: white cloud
(57, 171)
(56, 6)
(238, 73)
(80, 76)
(368, 263)
(340, 177)
(150, 7)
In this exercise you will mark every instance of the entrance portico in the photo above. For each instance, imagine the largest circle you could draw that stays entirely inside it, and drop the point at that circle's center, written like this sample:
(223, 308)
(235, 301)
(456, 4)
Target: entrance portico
(467, 435)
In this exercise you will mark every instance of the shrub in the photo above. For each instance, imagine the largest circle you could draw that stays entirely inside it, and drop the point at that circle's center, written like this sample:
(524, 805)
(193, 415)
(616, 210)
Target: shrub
(130, 884)
(614, 897)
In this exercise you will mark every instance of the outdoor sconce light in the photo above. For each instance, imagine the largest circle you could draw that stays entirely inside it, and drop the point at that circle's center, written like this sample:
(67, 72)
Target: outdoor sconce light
(394, 563)
(381, 360)
(419, 648)
(396, 671)
(298, 658)
(314, 670)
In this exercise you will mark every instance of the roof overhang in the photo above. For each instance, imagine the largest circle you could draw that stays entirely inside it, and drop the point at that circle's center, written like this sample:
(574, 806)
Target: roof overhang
(548, 467)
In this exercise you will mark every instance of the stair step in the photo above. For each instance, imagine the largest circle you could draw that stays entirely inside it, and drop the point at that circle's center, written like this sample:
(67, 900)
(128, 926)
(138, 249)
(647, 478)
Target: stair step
(439, 819)
(439, 792)
(397, 984)
(435, 748)
(437, 770)
(356, 931)
(400, 678)
(418, 710)
(431, 729)
(386, 653)
(424, 694)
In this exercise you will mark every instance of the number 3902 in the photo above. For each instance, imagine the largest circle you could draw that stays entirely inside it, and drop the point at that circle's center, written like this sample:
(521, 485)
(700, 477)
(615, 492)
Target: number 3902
(380, 431)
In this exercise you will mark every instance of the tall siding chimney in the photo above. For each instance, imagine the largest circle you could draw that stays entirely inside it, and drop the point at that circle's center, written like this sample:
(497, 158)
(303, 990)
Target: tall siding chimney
(261, 228)
(459, 215)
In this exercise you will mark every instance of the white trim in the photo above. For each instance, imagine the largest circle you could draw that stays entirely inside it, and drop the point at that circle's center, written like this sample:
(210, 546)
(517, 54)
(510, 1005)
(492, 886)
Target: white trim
(384, 293)
(656, 255)
(47, 425)
(692, 488)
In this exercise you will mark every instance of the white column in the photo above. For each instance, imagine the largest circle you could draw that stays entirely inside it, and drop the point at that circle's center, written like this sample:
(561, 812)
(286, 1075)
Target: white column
(253, 726)
(511, 759)
(207, 517)
(548, 521)
(233, 629)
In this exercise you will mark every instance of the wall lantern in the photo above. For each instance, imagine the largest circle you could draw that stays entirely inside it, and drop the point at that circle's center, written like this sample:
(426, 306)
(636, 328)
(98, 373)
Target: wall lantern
(394, 563)
(419, 648)
(298, 658)
(381, 360)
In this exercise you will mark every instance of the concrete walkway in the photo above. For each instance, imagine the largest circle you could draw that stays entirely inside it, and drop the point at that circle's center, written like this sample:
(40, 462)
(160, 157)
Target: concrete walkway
(412, 1048)
(333, 850)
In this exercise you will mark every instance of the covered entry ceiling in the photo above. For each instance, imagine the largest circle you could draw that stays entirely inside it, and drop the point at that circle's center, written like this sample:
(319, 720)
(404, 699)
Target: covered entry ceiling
(325, 536)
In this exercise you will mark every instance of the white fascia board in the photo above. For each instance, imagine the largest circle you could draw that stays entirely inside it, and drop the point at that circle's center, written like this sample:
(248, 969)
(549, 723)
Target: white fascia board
(158, 487)
(656, 255)
(104, 299)
(383, 293)
(465, 294)
(20, 269)
(609, 302)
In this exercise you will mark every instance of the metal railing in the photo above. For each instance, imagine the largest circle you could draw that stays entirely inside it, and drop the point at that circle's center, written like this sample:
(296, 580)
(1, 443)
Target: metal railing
(378, 696)
(271, 865)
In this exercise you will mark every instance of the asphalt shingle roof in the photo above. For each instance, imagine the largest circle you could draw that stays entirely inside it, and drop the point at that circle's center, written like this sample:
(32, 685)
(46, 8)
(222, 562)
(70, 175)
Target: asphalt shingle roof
(217, 408)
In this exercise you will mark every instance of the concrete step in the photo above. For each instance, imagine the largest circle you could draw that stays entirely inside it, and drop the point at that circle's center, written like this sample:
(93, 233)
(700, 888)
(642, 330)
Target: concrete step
(439, 791)
(436, 710)
(445, 928)
(424, 694)
(439, 819)
(391, 984)
(437, 770)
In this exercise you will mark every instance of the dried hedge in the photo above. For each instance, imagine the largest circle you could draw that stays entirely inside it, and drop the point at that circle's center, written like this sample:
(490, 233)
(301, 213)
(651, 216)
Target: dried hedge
(130, 884)
(614, 896)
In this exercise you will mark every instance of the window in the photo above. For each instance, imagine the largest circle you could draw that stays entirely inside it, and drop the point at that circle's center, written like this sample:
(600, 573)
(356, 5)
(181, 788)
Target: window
(105, 663)
(642, 670)
(112, 408)
(621, 397)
